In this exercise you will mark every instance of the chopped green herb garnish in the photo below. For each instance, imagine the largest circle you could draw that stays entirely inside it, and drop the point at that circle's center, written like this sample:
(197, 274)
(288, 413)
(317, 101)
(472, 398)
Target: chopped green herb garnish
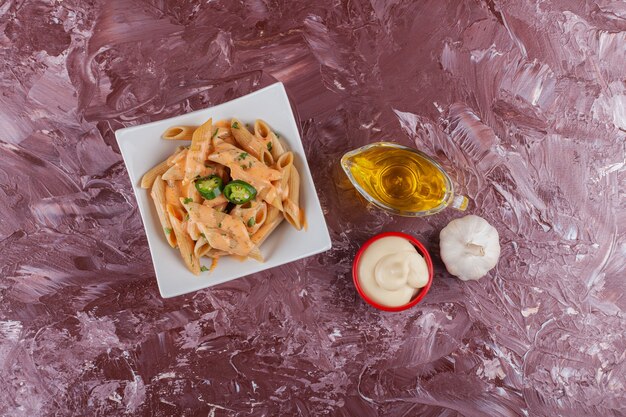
(235, 125)
(168, 230)
(188, 200)
(204, 268)
(187, 216)
(202, 234)
(243, 167)
(214, 133)
(269, 146)
(250, 164)
(251, 222)
(219, 225)
(243, 155)
(277, 135)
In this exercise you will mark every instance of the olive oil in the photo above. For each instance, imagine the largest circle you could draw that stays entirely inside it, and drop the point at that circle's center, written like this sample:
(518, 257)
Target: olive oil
(397, 177)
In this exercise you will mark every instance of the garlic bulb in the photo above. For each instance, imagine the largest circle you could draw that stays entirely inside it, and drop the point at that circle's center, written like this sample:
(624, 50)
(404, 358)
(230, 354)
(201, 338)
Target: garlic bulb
(469, 247)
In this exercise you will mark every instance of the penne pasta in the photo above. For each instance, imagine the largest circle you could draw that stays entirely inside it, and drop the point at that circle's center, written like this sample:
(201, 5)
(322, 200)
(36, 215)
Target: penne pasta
(193, 230)
(185, 245)
(278, 147)
(257, 188)
(284, 164)
(270, 138)
(291, 205)
(179, 133)
(148, 178)
(262, 130)
(271, 223)
(172, 197)
(249, 142)
(197, 153)
(267, 158)
(158, 197)
(201, 247)
(160, 169)
(253, 215)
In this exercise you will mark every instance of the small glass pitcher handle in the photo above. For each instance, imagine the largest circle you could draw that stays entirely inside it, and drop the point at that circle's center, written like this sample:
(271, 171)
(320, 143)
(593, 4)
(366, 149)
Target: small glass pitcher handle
(459, 202)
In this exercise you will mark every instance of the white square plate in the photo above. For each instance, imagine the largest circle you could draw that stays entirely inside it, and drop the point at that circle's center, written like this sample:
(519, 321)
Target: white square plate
(142, 148)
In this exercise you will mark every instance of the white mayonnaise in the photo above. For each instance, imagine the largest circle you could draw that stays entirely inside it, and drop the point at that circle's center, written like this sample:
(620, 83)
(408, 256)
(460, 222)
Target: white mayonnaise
(391, 271)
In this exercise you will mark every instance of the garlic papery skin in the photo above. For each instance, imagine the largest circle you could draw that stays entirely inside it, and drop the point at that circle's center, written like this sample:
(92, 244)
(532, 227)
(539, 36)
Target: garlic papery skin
(469, 247)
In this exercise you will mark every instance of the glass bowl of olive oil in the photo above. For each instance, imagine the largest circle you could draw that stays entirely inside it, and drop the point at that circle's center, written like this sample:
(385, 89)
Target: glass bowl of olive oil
(401, 180)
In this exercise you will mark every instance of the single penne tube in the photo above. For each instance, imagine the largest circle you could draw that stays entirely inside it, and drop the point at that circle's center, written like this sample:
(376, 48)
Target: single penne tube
(293, 185)
(192, 192)
(277, 146)
(291, 205)
(272, 213)
(284, 164)
(249, 142)
(148, 178)
(198, 152)
(201, 247)
(179, 133)
(185, 244)
(255, 254)
(158, 197)
(223, 131)
(194, 231)
(253, 215)
(262, 234)
(264, 134)
(172, 195)
(266, 157)
(262, 130)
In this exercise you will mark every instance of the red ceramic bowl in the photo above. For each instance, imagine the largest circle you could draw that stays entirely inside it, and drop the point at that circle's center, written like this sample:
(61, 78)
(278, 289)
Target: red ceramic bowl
(422, 292)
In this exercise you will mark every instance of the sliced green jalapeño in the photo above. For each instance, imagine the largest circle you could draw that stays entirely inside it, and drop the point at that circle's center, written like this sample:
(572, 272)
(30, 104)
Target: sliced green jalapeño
(239, 192)
(209, 187)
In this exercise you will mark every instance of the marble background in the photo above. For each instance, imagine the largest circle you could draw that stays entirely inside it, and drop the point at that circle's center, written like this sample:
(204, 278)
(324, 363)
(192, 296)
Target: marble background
(523, 101)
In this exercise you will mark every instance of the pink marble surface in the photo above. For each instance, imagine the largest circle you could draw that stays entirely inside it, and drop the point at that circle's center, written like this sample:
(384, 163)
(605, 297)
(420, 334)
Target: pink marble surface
(523, 101)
